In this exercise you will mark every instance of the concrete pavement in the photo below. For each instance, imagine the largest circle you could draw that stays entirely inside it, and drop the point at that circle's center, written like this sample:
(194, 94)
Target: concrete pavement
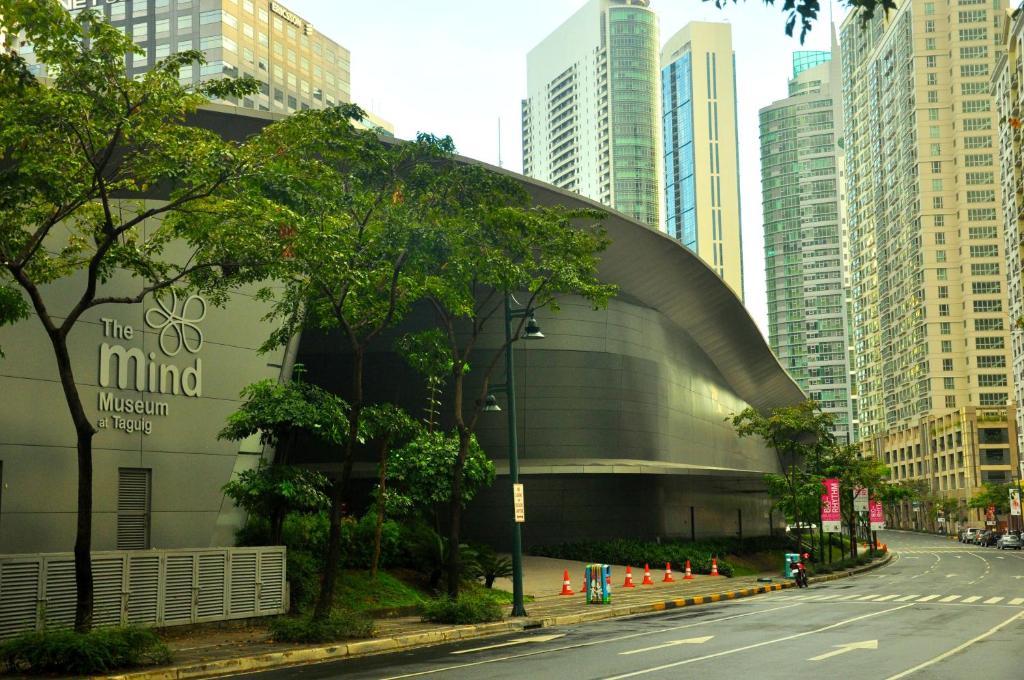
(939, 610)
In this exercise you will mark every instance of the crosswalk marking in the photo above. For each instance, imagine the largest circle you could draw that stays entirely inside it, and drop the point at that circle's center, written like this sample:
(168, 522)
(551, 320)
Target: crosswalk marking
(868, 597)
(993, 600)
(849, 597)
(927, 598)
(896, 597)
(950, 598)
(1017, 601)
(906, 598)
(883, 598)
(972, 598)
(830, 597)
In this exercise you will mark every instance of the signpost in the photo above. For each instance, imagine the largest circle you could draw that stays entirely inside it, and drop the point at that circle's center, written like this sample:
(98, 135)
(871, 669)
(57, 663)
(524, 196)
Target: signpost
(831, 517)
(519, 502)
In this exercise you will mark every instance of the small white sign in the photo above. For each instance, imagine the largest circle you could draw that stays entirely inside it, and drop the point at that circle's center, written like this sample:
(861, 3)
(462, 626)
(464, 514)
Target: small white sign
(519, 502)
(860, 499)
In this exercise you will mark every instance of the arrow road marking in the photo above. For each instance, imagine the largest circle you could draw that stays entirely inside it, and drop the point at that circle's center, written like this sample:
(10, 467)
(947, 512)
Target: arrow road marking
(673, 643)
(517, 641)
(843, 649)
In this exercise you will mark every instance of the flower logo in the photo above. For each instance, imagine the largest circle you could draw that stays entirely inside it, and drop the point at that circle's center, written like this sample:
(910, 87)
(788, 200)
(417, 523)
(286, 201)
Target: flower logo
(177, 328)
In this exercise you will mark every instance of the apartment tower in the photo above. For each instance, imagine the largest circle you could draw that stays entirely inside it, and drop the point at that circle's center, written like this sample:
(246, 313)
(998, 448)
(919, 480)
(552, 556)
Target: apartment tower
(805, 235)
(931, 329)
(590, 118)
(297, 66)
(702, 191)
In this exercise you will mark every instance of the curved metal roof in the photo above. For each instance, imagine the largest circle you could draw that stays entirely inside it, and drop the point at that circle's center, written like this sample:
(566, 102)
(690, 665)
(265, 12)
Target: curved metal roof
(656, 270)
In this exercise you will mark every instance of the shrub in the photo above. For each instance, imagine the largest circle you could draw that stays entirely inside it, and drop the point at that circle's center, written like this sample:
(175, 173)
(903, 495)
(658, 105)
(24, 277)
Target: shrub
(490, 566)
(68, 652)
(338, 626)
(467, 608)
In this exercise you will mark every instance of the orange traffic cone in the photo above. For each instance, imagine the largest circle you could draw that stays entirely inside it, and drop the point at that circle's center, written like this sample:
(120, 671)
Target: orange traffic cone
(647, 577)
(566, 590)
(668, 574)
(689, 574)
(714, 566)
(629, 578)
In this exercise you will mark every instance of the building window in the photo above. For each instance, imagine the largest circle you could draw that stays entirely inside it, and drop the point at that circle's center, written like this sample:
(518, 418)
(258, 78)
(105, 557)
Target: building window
(946, 346)
(950, 401)
(947, 364)
(944, 309)
(984, 306)
(992, 399)
(949, 383)
(989, 342)
(185, 23)
(945, 328)
(134, 491)
(943, 291)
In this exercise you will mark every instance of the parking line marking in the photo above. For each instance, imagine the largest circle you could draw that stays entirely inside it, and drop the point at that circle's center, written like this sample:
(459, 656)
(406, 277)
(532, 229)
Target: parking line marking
(993, 600)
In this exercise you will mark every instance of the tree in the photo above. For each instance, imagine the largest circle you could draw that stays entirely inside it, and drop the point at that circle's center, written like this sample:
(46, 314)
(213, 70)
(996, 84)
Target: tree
(806, 11)
(278, 412)
(997, 495)
(354, 209)
(492, 246)
(798, 434)
(893, 495)
(71, 149)
(421, 470)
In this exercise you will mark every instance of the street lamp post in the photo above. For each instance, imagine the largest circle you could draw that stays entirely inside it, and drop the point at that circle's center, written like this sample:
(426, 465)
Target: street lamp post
(532, 331)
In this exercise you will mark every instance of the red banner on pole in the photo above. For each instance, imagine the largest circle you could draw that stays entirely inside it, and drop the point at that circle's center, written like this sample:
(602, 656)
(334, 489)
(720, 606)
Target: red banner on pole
(876, 515)
(831, 517)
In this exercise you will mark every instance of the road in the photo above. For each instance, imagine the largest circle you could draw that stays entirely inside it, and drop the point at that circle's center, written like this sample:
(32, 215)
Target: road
(939, 610)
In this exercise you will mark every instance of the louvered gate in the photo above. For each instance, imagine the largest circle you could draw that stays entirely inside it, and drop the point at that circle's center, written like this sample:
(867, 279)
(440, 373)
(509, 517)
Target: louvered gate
(147, 588)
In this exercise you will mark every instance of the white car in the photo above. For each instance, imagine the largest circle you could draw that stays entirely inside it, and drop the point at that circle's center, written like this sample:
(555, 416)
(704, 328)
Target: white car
(802, 526)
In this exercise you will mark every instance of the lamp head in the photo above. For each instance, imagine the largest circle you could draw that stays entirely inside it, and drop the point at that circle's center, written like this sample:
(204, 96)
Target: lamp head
(532, 329)
(491, 404)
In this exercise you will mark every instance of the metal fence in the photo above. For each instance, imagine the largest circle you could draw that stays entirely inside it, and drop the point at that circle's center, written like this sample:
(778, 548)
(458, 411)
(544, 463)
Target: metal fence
(143, 587)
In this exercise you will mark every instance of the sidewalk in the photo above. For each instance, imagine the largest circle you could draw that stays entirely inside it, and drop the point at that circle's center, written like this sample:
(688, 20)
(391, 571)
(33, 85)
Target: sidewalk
(209, 653)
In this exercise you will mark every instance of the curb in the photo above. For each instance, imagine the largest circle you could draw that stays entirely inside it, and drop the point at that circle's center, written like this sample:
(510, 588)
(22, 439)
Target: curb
(311, 655)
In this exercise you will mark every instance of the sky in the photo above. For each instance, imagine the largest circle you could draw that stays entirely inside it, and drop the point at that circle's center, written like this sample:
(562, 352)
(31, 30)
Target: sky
(457, 67)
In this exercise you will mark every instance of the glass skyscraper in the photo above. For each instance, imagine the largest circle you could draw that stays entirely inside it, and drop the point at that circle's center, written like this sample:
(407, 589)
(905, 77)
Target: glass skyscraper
(805, 59)
(702, 191)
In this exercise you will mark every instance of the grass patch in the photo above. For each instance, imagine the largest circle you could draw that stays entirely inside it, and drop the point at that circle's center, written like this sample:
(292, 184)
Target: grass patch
(358, 593)
(338, 626)
(469, 607)
(67, 652)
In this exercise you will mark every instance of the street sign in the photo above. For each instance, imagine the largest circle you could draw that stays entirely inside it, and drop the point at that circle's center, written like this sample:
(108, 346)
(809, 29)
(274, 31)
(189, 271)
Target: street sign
(831, 517)
(1015, 501)
(876, 515)
(860, 499)
(519, 502)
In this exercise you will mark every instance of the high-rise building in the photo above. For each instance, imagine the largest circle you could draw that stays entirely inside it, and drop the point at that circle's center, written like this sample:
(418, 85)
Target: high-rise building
(805, 59)
(297, 67)
(590, 119)
(805, 234)
(702, 191)
(1006, 81)
(931, 330)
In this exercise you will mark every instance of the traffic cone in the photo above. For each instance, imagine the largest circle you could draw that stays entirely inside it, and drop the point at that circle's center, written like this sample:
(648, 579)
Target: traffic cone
(629, 578)
(566, 590)
(714, 566)
(647, 577)
(668, 574)
(689, 574)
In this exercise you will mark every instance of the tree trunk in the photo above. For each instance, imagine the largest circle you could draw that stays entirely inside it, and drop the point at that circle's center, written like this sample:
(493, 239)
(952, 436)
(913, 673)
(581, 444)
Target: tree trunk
(380, 508)
(277, 526)
(339, 489)
(455, 515)
(84, 432)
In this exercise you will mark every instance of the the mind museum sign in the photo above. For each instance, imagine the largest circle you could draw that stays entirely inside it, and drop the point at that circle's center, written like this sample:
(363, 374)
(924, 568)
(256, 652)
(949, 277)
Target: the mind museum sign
(176, 371)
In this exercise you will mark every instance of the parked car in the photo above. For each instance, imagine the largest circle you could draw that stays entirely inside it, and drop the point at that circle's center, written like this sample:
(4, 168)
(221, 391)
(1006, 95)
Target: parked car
(967, 535)
(1009, 542)
(988, 538)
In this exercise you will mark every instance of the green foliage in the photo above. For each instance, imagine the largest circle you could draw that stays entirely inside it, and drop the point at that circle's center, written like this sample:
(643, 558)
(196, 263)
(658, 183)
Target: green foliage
(992, 494)
(340, 625)
(278, 488)
(428, 553)
(478, 607)
(13, 308)
(422, 469)
(67, 652)
(273, 410)
(806, 11)
(490, 566)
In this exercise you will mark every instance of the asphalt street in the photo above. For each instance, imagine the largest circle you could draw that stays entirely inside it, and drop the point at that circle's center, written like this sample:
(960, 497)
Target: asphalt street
(939, 610)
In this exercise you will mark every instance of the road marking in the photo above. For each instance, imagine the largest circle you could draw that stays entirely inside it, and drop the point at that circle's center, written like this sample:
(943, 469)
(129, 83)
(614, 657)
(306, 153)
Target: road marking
(867, 597)
(950, 598)
(578, 645)
(849, 597)
(1000, 557)
(673, 643)
(993, 600)
(883, 598)
(829, 597)
(928, 598)
(972, 598)
(956, 649)
(906, 597)
(510, 643)
(951, 575)
(848, 647)
(1017, 600)
(726, 652)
